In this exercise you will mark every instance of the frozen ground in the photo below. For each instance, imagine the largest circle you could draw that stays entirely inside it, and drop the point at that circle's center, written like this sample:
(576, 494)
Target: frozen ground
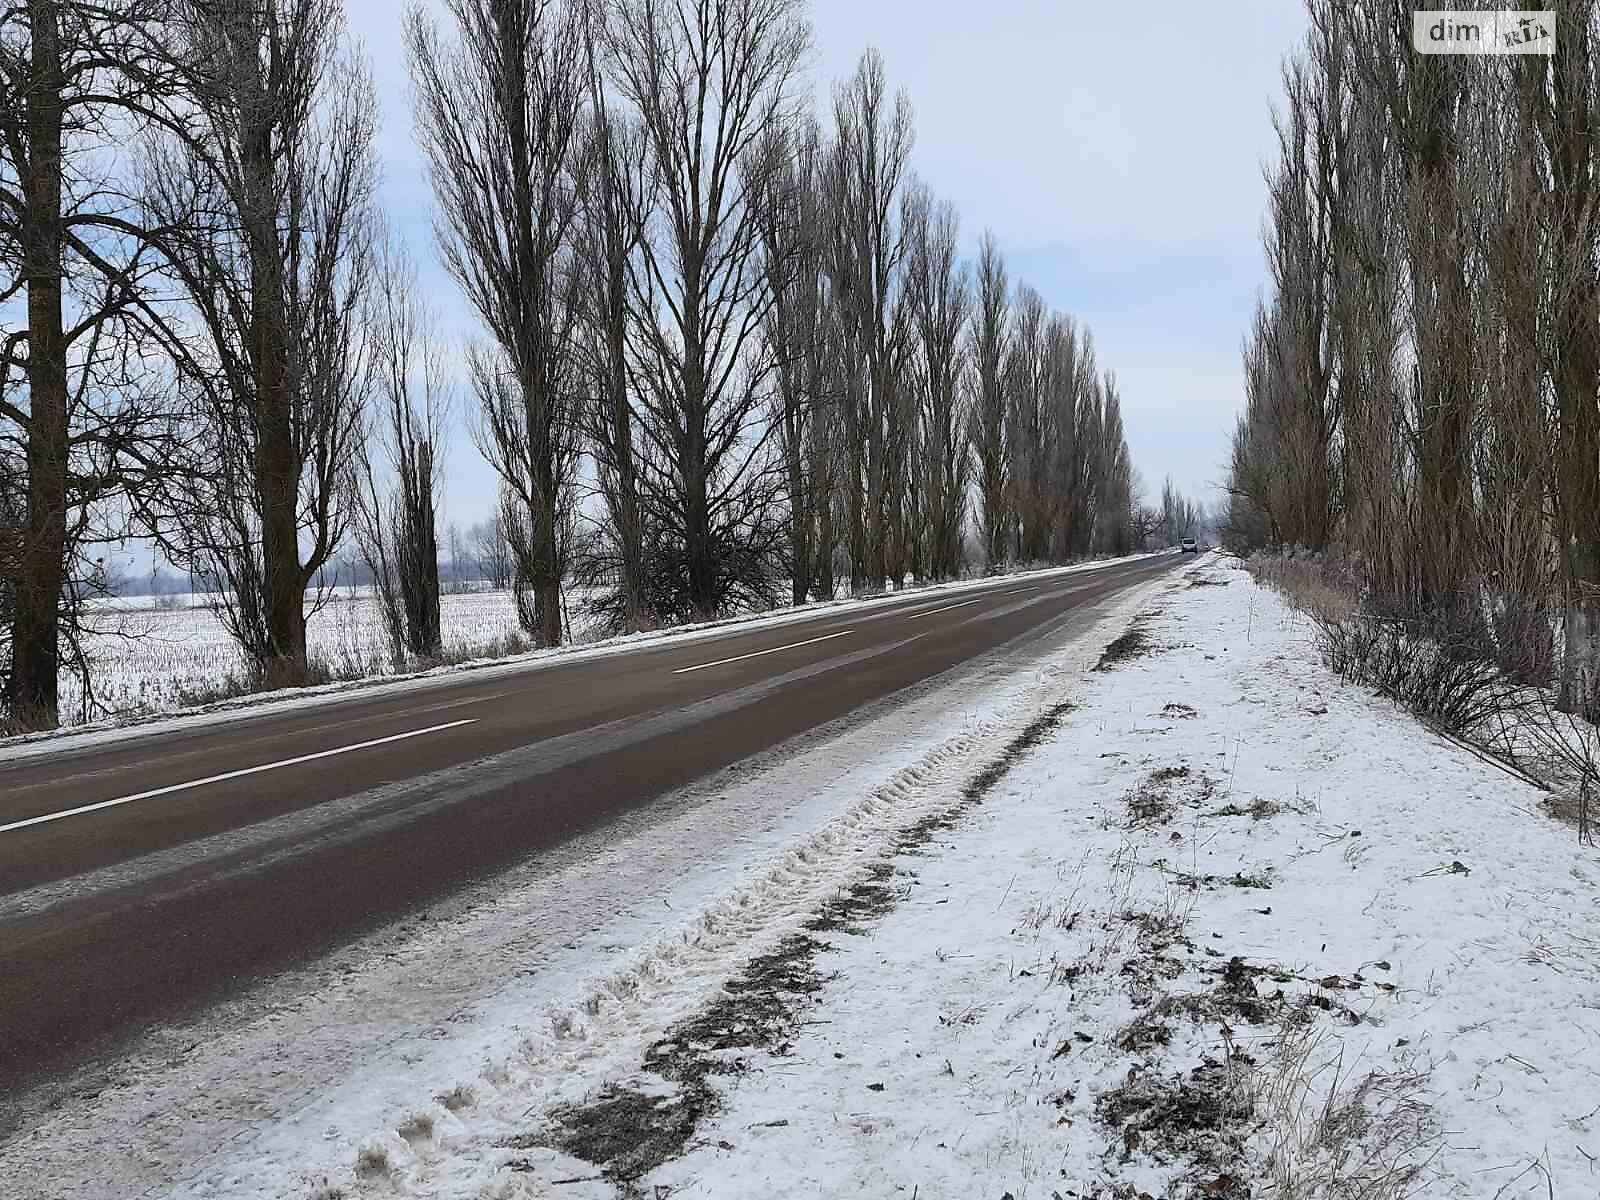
(1222, 927)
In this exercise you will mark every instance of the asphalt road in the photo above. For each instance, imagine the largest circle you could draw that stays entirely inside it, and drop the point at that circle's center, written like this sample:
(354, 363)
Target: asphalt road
(142, 879)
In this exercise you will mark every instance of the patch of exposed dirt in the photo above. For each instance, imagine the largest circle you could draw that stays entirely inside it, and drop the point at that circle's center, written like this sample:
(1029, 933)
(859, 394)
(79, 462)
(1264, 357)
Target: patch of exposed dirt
(868, 899)
(1255, 879)
(1128, 645)
(1159, 794)
(1258, 809)
(629, 1131)
(1199, 1117)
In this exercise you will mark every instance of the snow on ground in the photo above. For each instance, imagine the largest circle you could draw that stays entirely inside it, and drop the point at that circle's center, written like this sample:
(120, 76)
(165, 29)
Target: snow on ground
(521, 990)
(1205, 923)
(160, 654)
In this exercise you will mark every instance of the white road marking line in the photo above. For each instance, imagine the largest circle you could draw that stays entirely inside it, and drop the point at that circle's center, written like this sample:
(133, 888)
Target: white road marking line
(194, 783)
(946, 608)
(758, 653)
(451, 704)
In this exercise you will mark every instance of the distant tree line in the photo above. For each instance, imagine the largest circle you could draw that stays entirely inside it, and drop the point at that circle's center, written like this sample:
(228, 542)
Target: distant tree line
(1423, 381)
(730, 351)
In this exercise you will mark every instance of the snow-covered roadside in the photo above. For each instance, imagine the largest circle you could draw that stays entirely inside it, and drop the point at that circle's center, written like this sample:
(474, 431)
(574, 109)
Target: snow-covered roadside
(284, 1087)
(1232, 929)
(101, 733)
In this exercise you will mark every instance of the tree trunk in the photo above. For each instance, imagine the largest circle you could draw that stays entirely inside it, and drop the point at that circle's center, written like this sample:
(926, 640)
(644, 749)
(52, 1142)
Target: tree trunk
(1443, 316)
(546, 549)
(277, 466)
(628, 518)
(799, 512)
(419, 553)
(855, 483)
(824, 471)
(877, 486)
(35, 664)
(1577, 375)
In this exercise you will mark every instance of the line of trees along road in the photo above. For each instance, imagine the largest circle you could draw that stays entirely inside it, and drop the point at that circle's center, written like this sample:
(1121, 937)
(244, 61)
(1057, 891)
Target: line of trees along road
(730, 350)
(1424, 378)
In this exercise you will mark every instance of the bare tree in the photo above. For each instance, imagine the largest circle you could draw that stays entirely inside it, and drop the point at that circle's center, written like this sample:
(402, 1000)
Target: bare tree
(904, 515)
(1082, 457)
(456, 541)
(991, 336)
(492, 550)
(1180, 516)
(791, 214)
(85, 416)
(1565, 115)
(1421, 383)
(1026, 429)
(499, 115)
(873, 135)
(1063, 381)
(707, 81)
(1512, 460)
(1114, 495)
(941, 298)
(399, 461)
(268, 195)
(1424, 99)
(829, 471)
(620, 198)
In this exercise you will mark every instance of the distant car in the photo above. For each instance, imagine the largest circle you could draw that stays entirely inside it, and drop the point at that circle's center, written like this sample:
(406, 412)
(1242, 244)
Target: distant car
(1189, 546)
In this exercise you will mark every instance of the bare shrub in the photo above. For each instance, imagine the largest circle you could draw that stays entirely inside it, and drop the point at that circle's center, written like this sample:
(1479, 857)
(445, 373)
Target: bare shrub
(372, 1162)
(1441, 661)
(1566, 752)
(1442, 677)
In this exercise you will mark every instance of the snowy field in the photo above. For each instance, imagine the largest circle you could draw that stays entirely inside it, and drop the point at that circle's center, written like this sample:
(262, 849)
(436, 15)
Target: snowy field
(152, 656)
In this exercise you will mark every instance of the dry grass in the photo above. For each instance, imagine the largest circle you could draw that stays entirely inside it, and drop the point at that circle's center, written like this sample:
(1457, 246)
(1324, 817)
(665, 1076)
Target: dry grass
(1316, 585)
(457, 1098)
(1157, 797)
(372, 1162)
(1335, 1135)
(416, 1128)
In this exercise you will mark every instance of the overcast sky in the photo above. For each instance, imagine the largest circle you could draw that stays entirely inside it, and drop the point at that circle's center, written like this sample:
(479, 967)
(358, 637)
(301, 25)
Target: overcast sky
(1115, 150)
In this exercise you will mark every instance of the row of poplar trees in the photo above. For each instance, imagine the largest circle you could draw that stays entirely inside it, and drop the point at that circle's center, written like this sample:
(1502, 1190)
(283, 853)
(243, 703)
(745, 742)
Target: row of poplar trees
(744, 332)
(1424, 378)
(728, 347)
